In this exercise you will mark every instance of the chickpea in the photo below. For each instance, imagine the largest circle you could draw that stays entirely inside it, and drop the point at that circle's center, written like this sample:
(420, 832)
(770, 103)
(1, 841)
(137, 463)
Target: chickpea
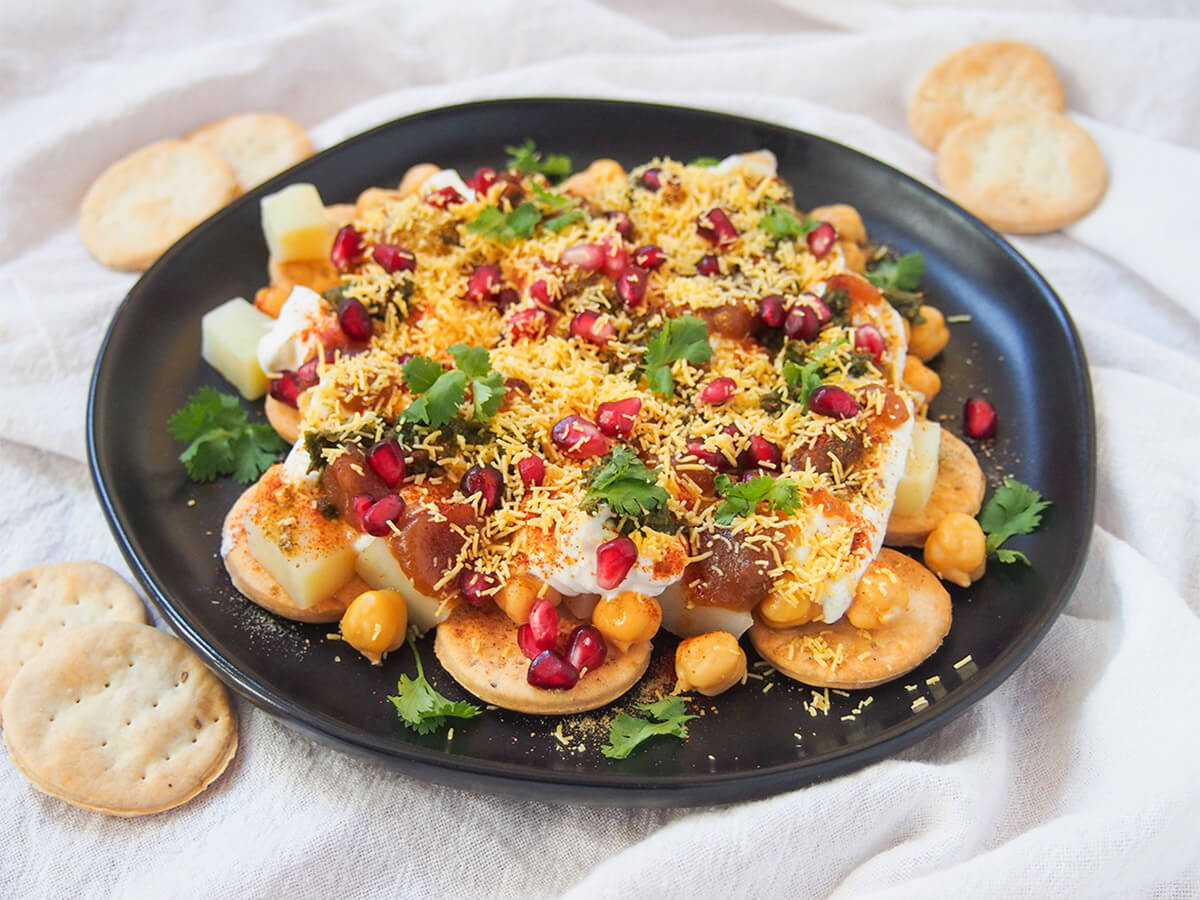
(415, 177)
(598, 174)
(709, 664)
(856, 260)
(780, 612)
(879, 599)
(517, 596)
(269, 300)
(372, 198)
(920, 377)
(375, 624)
(845, 219)
(628, 618)
(929, 337)
(956, 550)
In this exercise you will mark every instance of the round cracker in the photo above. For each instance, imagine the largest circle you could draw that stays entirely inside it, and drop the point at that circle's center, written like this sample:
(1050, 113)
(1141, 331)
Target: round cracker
(868, 658)
(1024, 172)
(283, 418)
(40, 603)
(959, 487)
(142, 204)
(259, 585)
(477, 645)
(119, 718)
(257, 145)
(980, 80)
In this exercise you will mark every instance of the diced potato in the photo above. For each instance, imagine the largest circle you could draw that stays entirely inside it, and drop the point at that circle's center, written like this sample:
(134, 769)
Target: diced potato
(378, 567)
(295, 225)
(310, 556)
(916, 486)
(684, 622)
(229, 338)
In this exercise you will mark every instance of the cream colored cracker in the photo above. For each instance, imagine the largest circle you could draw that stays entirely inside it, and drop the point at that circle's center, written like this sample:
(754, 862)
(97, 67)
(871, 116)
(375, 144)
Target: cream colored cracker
(257, 145)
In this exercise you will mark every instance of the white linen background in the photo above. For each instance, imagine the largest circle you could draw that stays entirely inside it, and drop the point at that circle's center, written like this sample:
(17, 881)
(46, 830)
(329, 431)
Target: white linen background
(1079, 776)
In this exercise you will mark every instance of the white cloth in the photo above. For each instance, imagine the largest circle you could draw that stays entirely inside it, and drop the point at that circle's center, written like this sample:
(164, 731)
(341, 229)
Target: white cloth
(1078, 777)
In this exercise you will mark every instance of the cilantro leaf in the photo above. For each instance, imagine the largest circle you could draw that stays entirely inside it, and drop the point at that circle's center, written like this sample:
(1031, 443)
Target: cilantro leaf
(740, 498)
(1014, 508)
(505, 227)
(528, 160)
(561, 221)
(627, 732)
(487, 385)
(625, 484)
(685, 337)
(804, 378)
(220, 439)
(422, 708)
(704, 162)
(783, 224)
(904, 273)
(440, 391)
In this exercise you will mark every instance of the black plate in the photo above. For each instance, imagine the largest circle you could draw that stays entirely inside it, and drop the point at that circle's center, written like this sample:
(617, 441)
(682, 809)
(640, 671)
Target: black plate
(1019, 347)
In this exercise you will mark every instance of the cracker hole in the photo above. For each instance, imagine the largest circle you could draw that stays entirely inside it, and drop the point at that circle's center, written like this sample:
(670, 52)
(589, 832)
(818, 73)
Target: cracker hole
(170, 785)
(104, 743)
(106, 684)
(197, 724)
(184, 675)
(52, 718)
(154, 704)
(194, 740)
(131, 664)
(127, 722)
(76, 699)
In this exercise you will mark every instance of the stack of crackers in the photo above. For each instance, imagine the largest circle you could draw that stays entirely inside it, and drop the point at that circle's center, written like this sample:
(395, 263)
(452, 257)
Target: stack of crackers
(99, 708)
(140, 205)
(993, 112)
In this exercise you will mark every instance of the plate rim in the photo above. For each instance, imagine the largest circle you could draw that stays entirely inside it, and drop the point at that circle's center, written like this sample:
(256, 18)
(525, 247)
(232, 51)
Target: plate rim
(603, 788)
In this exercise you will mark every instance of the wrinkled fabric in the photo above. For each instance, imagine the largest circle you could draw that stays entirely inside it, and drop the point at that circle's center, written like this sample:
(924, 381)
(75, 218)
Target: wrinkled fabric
(1079, 776)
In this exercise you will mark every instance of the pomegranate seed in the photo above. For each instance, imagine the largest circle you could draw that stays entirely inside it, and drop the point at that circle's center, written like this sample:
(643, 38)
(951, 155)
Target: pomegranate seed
(476, 587)
(286, 388)
(616, 418)
(709, 266)
(393, 258)
(801, 323)
(586, 648)
(484, 178)
(869, 339)
(386, 509)
(718, 391)
(773, 310)
(751, 474)
(306, 375)
(649, 256)
(824, 316)
(354, 319)
(360, 504)
(589, 257)
(711, 458)
(614, 559)
(979, 418)
(484, 480)
(347, 249)
(525, 642)
(540, 293)
(549, 670)
(651, 179)
(621, 220)
(484, 284)
(616, 257)
(716, 228)
(527, 323)
(761, 454)
(543, 624)
(593, 327)
(631, 286)
(506, 298)
(387, 460)
(821, 239)
(578, 438)
(834, 402)
(443, 197)
(532, 470)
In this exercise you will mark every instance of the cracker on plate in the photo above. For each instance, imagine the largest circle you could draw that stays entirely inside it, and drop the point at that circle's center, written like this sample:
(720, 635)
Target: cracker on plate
(141, 204)
(257, 145)
(979, 80)
(1025, 172)
(119, 718)
(40, 603)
